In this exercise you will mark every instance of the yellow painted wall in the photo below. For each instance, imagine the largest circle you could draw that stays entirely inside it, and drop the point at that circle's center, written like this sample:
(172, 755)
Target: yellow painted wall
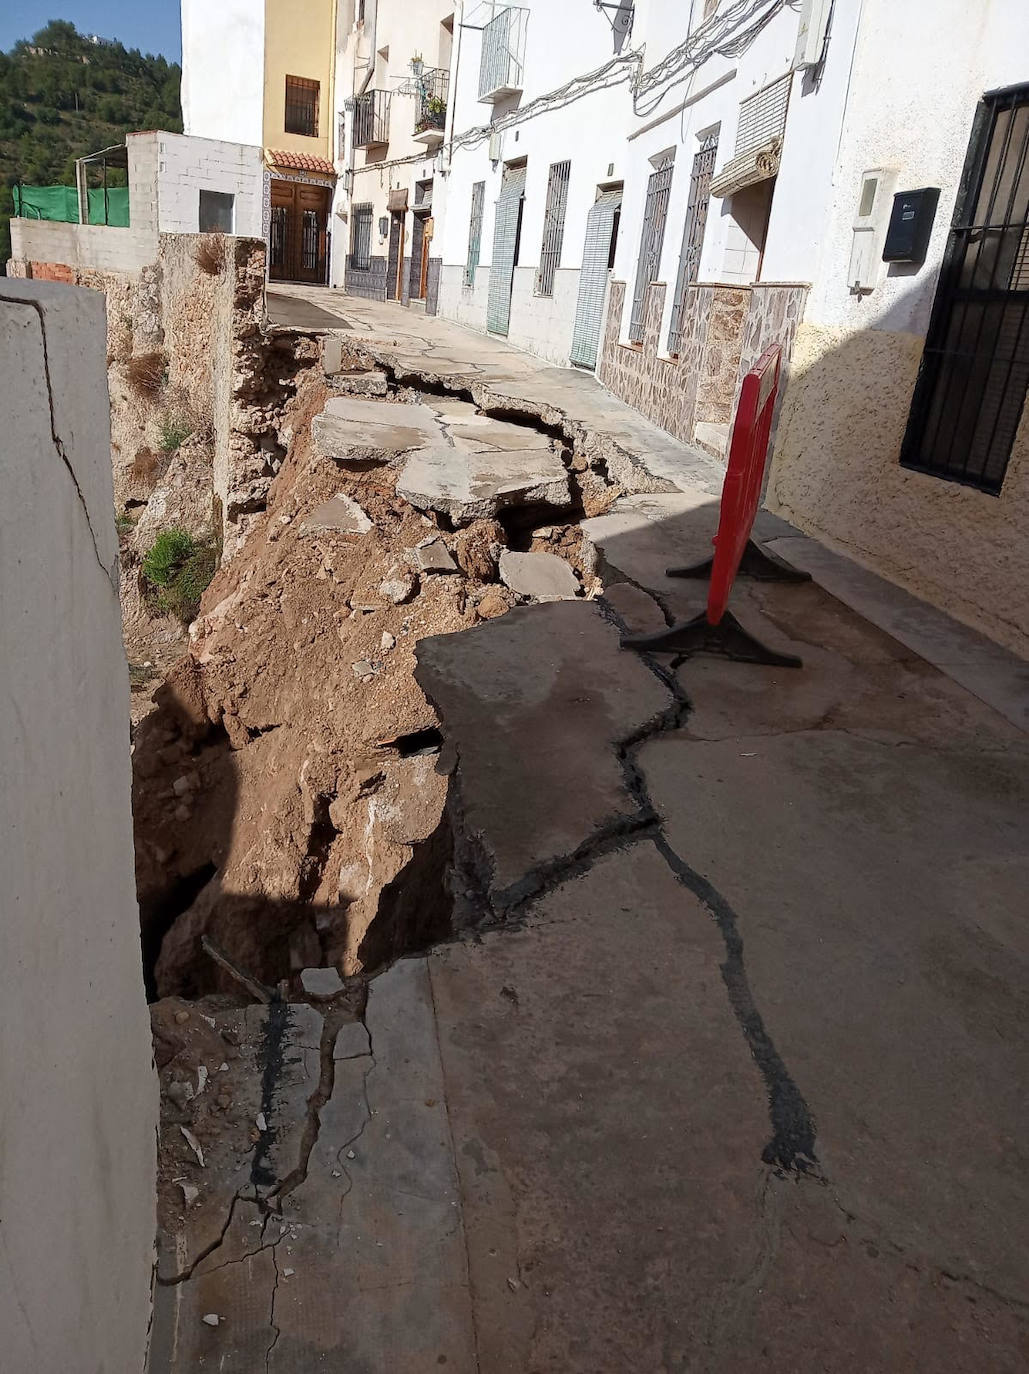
(299, 40)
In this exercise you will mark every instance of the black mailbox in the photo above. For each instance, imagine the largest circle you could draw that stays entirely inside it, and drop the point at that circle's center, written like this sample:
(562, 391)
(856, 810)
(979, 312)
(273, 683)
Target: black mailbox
(911, 223)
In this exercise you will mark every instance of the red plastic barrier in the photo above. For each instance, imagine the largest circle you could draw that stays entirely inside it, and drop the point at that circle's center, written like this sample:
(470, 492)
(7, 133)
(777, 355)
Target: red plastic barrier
(741, 491)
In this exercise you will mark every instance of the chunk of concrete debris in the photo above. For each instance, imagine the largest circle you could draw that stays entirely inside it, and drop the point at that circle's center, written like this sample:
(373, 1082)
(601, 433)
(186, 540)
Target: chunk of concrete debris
(362, 383)
(387, 641)
(363, 668)
(353, 429)
(432, 555)
(190, 1193)
(211, 1319)
(471, 485)
(399, 586)
(194, 1145)
(543, 576)
(340, 512)
(321, 982)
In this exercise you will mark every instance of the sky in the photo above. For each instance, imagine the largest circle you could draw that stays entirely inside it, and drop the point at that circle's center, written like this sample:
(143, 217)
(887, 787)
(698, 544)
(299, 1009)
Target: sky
(150, 25)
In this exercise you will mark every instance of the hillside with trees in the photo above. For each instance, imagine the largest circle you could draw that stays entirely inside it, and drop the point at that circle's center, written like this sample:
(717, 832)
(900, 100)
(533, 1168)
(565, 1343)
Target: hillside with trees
(64, 95)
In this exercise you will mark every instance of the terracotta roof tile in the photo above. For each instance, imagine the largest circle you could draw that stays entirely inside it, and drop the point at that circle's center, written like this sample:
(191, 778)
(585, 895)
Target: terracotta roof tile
(299, 162)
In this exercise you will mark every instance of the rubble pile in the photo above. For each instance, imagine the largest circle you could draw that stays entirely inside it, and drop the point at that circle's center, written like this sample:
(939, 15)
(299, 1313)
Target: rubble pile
(289, 787)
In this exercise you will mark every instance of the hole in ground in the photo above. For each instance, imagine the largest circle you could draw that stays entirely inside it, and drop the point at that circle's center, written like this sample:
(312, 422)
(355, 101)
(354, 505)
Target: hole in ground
(158, 916)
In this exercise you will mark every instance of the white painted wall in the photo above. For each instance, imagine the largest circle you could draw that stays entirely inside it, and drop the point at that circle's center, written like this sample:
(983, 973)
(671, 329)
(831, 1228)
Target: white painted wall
(223, 69)
(708, 96)
(562, 41)
(405, 29)
(896, 116)
(79, 1094)
(188, 165)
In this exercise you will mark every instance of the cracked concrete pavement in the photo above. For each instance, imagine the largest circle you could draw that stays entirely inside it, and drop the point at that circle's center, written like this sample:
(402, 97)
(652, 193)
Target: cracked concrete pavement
(723, 1068)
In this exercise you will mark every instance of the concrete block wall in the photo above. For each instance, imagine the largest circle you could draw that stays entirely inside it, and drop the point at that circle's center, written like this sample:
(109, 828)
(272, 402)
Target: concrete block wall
(77, 1138)
(186, 166)
(99, 246)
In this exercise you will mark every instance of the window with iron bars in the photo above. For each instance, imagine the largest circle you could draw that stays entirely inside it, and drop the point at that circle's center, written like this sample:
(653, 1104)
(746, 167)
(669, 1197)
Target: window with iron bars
(655, 214)
(974, 377)
(693, 232)
(302, 106)
(361, 237)
(553, 227)
(475, 232)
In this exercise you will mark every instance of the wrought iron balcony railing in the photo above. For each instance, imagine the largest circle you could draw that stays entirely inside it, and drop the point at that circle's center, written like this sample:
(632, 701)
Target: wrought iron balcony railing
(433, 86)
(371, 119)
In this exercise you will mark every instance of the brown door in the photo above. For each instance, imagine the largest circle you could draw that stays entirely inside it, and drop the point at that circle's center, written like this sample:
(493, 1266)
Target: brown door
(417, 242)
(298, 240)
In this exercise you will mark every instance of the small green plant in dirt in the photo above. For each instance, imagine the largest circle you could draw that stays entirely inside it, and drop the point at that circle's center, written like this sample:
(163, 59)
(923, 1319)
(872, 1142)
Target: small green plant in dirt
(123, 522)
(176, 572)
(175, 428)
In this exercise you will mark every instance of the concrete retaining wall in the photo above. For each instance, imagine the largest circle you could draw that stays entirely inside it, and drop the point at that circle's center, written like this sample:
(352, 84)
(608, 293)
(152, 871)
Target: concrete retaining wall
(77, 1137)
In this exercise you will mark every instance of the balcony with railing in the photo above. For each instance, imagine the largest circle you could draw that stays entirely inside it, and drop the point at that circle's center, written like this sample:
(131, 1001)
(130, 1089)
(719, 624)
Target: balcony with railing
(371, 119)
(502, 64)
(432, 86)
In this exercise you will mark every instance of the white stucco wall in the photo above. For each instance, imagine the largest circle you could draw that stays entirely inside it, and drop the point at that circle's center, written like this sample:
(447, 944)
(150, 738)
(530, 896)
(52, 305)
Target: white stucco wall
(79, 1094)
(562, 41)
(919, 72)
(188, 165)
(223, 69)
(403, 29)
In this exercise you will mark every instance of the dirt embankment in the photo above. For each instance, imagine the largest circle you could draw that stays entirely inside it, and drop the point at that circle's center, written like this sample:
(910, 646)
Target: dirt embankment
(290, 785)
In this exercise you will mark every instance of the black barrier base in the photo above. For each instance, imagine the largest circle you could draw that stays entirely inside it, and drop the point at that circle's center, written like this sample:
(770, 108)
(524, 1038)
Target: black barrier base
(728, 639)
(760, 564)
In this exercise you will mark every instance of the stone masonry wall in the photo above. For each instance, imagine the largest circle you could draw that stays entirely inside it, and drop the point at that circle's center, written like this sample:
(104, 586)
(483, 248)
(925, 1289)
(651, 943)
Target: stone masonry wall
(724, 331)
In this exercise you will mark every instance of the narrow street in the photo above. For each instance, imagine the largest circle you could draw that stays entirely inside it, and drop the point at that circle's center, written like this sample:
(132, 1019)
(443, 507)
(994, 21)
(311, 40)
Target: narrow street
(717, 1066)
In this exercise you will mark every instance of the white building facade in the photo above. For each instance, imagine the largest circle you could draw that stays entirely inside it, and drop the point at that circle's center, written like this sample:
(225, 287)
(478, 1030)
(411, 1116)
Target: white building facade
(392, 81)
(742, 168)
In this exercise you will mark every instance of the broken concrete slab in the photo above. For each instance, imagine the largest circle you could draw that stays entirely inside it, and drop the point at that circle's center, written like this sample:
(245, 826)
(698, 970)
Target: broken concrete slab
(904, 1019)
(636, 608)
(340, 512)
(543, 576)
(482, 431)
(434, 556)
(362, 383)
(643, 535)
(352, 1041)
(354, 427)
(321, 983)
(553, 678)
(476, 485)
(598, 1090)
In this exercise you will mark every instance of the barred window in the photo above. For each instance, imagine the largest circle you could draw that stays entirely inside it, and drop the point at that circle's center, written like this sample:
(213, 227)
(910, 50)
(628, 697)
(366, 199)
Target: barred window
(361, 237)
(475, 232)
(553, 227)
(302, 106)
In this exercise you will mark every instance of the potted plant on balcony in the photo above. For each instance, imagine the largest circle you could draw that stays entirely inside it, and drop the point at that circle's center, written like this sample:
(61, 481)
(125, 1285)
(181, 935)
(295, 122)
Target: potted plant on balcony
(417, 65)
(432, 114)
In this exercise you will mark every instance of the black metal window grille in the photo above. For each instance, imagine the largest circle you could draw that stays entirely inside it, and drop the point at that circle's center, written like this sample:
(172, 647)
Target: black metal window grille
(659, 186)
(693, 232)
(302, 106)
(277, 245)
(972, 383)
(475, 232)
(309, 241)
(371, 118)
(553, 227)
(433, 88)
(361, 237)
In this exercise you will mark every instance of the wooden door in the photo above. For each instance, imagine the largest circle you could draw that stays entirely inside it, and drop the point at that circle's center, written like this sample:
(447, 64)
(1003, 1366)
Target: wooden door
(417, 242)
(298, 246)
